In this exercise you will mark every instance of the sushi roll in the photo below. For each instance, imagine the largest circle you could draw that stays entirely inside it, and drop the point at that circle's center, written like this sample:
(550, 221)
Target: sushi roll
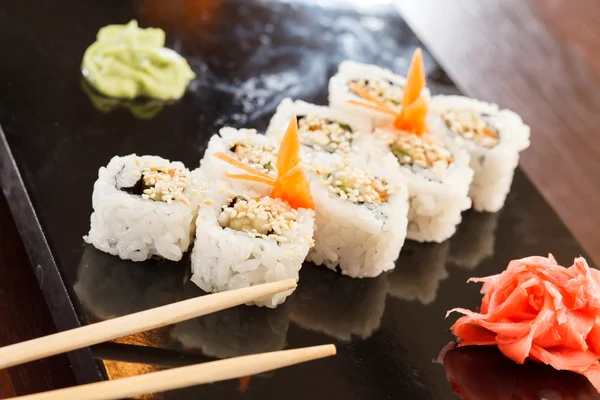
(246, 146)
(382, 85)
(321, 129)
(361, 217)
(419, 270)
(438, 176)
(339, 306)
(255, 234)
(494, 138)
(436, 167)
(236, 331)
(144, 207)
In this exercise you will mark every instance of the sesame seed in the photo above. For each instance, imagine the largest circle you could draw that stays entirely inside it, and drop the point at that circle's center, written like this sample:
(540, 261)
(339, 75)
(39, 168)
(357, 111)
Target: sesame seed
(472, 126)
(261, 217)
(422, 150)
(323, 134)
(356, 186)
(384, 90)
(263, 158)
(163, 183)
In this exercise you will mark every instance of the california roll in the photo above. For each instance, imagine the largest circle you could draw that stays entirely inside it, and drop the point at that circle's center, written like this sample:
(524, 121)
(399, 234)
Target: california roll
(381, 84)
(144, 207)
(494, 138)
(257, 233)
(321, 128)
(436, 167)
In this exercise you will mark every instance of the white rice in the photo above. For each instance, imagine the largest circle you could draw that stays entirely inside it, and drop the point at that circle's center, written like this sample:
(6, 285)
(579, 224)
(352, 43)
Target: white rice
(339, 306)
(363, 240)
(135, 228)
(437, 195)
(340, 94)
(288, 109)
(214, 168)
(225, 259)
(419, 271)
(493, 167)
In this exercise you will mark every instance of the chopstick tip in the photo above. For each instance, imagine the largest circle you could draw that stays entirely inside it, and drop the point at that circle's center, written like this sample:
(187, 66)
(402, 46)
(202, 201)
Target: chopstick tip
(332, 350)
(290, 283)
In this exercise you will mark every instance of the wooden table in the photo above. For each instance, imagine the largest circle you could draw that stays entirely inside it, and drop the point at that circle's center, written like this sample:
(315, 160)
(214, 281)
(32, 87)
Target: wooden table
(540, 57)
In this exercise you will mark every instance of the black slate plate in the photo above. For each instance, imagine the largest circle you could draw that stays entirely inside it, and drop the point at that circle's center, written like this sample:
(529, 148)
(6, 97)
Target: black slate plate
(248, 55)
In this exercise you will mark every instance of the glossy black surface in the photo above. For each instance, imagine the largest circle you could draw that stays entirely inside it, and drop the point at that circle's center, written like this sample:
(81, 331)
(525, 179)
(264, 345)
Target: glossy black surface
(248, 55)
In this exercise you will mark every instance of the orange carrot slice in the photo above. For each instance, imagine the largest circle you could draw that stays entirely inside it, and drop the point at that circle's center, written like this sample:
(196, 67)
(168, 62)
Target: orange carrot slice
(244, 383)
(289, 150)
(373, 107)
(412, 117)
(292, 185)
(415, 79)
(413, 113)
(252, 178)
(366, 95)
(294, 188)
(237, 163)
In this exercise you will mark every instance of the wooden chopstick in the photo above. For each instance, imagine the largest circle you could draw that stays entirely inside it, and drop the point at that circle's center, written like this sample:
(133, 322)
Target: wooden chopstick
(134, 323)
(178, 378)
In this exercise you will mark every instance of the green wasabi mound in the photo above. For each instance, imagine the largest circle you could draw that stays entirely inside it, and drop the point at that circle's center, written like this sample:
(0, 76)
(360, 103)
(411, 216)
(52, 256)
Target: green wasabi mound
(126, 62)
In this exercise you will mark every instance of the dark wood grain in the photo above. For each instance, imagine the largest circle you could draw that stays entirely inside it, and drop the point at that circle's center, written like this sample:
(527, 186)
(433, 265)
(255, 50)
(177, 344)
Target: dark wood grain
(542, 59)
(23, 316)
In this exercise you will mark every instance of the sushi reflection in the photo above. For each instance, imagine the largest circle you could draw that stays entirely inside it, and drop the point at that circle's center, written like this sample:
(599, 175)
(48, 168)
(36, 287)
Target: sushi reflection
(483, 373)
(337, 305)
(110, 287)
(474, 239)
(235, 331)
(419, 270)
(140, 108)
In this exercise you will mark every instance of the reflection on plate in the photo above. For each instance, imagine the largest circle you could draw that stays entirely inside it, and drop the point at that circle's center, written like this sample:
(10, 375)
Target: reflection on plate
(474, 239)
(146, 355)
(140, 108)
(337, 305)
(110, 287)
(418, 272)
(483, 373)
(235, 331)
